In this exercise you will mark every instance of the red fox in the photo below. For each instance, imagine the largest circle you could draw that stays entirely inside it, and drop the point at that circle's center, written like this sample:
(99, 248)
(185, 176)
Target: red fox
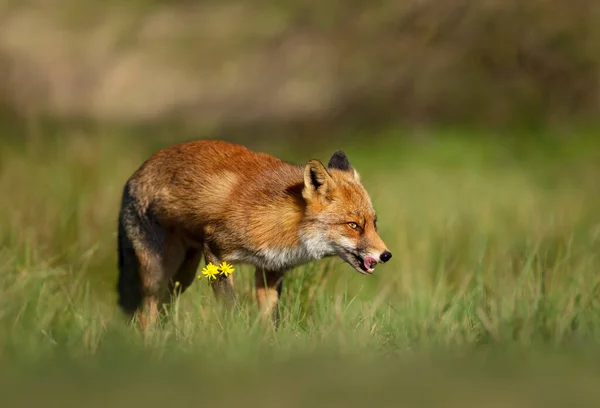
(227, 203)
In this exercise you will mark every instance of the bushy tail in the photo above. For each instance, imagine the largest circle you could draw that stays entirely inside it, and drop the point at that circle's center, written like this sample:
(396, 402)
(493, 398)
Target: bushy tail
(129, 285)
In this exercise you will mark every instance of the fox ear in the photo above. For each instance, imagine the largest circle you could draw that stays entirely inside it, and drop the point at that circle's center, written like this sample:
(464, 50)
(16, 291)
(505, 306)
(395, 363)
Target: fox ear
(317, 180)
(340, 161)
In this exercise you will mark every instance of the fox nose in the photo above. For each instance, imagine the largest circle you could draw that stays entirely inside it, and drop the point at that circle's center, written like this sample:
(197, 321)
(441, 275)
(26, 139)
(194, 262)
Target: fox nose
(386, 256)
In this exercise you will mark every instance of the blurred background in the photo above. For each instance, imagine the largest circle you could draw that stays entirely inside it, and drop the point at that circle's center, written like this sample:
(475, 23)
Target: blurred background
(300, 64)
(473, 125)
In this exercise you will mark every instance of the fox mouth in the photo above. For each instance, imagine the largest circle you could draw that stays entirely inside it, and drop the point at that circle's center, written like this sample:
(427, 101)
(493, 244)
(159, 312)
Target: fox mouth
(366, 266)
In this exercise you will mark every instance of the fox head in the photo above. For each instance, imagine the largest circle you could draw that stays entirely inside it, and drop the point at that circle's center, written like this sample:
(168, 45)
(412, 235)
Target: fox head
(340, 218)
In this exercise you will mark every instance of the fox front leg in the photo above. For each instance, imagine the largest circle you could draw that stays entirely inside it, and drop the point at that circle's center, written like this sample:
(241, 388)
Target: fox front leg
(222, 286)
(268, 291)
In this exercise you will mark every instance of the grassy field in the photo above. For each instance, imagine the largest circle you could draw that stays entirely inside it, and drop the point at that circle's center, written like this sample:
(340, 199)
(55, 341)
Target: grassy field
(491, 297)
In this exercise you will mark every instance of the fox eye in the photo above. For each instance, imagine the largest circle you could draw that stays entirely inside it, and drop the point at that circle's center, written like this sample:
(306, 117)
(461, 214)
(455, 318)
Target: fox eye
(353, 225)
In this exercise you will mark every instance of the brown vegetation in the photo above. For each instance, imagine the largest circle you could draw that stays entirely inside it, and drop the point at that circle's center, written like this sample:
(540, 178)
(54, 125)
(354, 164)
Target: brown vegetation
(492, 61)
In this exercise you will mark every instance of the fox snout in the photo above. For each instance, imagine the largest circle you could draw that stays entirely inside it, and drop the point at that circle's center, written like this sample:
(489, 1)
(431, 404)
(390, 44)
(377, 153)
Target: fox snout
(385, 256)
(365, 261)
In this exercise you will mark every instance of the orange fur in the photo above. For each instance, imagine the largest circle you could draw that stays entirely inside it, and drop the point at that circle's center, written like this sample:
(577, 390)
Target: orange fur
(228, 203)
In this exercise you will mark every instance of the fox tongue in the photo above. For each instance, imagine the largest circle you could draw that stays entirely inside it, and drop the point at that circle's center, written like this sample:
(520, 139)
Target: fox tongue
(369, 263)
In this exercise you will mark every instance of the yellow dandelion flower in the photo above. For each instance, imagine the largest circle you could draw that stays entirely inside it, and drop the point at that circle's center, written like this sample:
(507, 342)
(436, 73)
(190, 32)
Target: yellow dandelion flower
(226, 269)
(210, 271)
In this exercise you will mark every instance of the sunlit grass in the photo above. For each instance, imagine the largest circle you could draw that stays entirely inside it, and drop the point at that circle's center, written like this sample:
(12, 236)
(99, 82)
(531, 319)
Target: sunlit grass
(494, 250)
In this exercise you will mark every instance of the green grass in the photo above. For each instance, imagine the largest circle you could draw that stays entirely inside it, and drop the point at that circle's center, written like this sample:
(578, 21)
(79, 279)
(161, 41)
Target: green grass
(491, 296)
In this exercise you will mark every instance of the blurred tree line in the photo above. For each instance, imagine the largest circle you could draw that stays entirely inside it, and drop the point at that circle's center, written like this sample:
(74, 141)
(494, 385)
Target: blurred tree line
(302, 63)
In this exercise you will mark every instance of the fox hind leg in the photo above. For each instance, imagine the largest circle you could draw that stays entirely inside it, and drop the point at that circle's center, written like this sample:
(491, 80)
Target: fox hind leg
(187, 272)
(141, 283)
